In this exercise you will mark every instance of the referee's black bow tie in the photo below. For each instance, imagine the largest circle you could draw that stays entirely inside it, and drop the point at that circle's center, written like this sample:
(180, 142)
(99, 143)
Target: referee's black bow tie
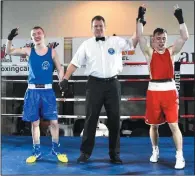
(100, 38)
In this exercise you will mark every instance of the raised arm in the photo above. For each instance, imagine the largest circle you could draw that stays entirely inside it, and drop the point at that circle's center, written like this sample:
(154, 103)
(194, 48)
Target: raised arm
(178, 44)
(140, 27)
(15, 51)
(141, 13)
(135, 39)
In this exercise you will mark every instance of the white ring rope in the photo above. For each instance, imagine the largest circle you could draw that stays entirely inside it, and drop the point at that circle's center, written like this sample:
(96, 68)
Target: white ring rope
(102, 117)
(83, 99)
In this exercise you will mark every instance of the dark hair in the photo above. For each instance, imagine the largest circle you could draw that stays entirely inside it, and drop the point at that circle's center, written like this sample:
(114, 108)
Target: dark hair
(159, 31)
(99, 18)
(38, 27)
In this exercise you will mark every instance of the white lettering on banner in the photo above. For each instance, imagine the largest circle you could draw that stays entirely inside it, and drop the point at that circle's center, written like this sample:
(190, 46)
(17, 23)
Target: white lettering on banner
(177, 80)
(186, 55)
(18, 65)
(15, 69)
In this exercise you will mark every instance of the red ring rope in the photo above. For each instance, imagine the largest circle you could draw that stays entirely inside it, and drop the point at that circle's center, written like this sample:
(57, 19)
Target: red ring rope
(145, 63)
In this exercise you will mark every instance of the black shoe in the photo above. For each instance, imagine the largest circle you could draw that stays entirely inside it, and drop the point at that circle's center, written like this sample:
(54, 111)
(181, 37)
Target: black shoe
(115, 159)
(83, 158)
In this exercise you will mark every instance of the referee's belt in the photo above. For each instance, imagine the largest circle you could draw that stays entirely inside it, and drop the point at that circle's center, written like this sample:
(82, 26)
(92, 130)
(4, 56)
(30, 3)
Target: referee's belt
(39, 86)
(161, 80)
(103, 79)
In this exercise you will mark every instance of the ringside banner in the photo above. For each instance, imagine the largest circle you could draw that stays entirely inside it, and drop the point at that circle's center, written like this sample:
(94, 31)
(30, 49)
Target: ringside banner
(136, 56)
(18, 65)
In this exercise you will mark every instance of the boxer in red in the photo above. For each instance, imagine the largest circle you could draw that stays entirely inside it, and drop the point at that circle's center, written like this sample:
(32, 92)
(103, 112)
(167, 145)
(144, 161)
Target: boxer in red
(162, 96)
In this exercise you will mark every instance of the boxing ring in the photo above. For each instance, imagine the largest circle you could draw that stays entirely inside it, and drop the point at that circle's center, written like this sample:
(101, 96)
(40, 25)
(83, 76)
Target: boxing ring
(135, 151)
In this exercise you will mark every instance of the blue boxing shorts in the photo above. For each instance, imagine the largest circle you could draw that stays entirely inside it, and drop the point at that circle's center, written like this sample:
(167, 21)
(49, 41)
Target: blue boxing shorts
(39, 102)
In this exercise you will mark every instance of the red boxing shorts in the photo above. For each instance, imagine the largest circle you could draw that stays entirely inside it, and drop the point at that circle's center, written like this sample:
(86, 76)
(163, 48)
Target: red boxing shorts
(161, 107)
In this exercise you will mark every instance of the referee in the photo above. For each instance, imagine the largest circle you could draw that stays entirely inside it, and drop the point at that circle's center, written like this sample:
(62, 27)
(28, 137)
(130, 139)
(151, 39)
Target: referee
(102, 56)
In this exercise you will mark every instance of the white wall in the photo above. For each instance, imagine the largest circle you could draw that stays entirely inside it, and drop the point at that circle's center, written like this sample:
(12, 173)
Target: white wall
(72, 19)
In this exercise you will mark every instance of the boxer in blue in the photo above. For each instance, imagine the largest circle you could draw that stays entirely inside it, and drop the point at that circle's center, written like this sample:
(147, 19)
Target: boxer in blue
(40, 98)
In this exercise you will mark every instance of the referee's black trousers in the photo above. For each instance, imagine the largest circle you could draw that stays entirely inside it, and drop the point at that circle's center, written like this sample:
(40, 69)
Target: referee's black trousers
(101, 92)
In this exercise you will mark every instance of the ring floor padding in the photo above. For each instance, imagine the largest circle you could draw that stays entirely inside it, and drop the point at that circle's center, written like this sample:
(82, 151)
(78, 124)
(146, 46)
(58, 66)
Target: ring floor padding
(135, 153)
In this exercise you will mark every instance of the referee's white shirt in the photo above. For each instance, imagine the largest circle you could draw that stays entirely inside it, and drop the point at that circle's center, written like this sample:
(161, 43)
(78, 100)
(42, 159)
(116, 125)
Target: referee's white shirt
(103, 59)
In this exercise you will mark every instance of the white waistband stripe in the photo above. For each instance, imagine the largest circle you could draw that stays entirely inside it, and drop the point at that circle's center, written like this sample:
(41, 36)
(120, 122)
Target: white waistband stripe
(164, 86)
(39, 86)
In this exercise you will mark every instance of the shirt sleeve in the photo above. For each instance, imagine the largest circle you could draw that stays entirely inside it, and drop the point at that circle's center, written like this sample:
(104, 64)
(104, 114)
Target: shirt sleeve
(125, 44)
(79, 58)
